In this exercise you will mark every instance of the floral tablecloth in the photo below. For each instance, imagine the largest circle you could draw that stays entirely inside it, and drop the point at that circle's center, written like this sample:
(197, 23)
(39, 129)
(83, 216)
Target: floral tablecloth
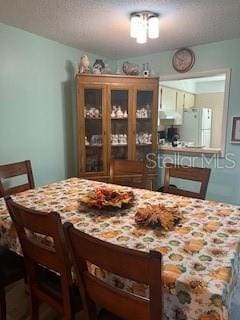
(201, 259)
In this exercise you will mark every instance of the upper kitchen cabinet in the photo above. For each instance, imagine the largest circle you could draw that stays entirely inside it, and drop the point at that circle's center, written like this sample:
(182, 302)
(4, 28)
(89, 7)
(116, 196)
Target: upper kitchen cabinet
(180, 100)
(172, 103)
(117, 119)
(171, 106)
(175, 100)
(189, 100)
(168, 99)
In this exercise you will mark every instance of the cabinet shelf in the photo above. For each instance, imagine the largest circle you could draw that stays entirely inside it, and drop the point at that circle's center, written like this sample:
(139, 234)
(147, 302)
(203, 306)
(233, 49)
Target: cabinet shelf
(119, 118)
(143, 144)
(119, 145)
(93, 145)
(88, 118)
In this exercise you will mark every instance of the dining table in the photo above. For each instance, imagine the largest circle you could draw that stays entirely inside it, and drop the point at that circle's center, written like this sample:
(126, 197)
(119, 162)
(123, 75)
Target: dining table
(200, 255)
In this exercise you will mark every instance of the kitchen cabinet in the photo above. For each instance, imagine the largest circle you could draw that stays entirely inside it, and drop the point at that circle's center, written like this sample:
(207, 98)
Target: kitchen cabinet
(175, 100)
(180, 101)
(168, 98)
(179, 107)
(172, 101)
(117, 119)
(189, 100)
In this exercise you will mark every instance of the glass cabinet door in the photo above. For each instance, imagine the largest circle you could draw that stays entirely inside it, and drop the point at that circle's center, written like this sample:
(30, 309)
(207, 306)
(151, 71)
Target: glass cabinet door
(144, 124)
(119, 115)
(93, 119)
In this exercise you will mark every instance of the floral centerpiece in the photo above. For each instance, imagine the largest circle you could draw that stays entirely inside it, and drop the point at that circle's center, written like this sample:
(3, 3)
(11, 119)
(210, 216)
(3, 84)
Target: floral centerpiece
(159, 214)
(108, 198)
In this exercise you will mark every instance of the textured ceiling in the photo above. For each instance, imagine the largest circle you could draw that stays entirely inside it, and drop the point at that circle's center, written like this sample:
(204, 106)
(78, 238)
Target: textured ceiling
(102, 27)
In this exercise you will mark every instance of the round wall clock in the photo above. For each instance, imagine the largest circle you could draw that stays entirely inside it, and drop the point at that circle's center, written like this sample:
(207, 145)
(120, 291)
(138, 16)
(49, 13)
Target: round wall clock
(183, 60)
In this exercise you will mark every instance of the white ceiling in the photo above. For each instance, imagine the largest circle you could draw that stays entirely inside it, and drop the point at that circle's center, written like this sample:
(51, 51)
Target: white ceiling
(102, 27)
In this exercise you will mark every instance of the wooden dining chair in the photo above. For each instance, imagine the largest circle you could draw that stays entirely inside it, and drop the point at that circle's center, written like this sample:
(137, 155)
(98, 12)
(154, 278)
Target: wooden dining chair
(11, 264)
(43, 245)
(13, 170)
(11, 270)
(200, 175)
(127, 263)
(129, 173)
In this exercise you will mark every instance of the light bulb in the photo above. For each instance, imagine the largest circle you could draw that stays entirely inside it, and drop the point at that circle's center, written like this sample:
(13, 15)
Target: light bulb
(135, 25)
(142, 37)
(153, 27)
(142, 32)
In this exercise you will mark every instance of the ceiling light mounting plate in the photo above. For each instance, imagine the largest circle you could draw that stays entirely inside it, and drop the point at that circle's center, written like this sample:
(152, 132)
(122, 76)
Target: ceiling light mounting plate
(144, 14)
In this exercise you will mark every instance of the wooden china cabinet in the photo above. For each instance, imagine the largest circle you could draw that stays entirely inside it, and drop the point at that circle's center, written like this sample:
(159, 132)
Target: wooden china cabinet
(117, 119)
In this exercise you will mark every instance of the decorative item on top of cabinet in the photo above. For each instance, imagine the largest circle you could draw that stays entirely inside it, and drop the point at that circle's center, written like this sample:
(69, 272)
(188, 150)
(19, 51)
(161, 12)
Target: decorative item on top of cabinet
(146, 70)
(130, 69)
(98, 66)
(84, 64)
(183, 60)
(117, 119)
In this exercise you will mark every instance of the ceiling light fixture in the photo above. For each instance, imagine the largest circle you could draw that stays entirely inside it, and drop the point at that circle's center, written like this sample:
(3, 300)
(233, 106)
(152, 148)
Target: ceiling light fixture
(144, 24)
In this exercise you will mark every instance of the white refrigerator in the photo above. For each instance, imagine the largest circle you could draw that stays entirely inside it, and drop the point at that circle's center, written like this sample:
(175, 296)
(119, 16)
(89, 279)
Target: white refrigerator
(197, 126)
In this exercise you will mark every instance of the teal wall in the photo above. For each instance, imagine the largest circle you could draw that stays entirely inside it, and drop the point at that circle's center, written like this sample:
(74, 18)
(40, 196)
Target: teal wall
(37, 103)
(224, 182)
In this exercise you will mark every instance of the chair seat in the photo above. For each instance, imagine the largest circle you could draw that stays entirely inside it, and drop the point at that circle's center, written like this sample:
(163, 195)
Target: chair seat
(51, 284)
(11, 267)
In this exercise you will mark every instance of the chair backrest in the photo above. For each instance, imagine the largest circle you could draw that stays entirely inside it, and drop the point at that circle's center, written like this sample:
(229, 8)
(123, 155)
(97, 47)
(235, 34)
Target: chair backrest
(201, 175)
(138, 266)
(128, 172)
(11, 170)
(43, 245)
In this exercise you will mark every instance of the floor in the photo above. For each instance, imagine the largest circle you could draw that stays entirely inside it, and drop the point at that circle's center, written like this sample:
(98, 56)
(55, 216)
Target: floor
(18, 306)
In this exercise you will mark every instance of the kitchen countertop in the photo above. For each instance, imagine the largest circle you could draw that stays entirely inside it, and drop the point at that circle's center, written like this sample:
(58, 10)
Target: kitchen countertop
(189, 150)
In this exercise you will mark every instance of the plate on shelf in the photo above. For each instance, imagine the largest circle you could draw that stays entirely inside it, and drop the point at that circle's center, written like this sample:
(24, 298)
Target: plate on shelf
(108, 198)
(190, 146)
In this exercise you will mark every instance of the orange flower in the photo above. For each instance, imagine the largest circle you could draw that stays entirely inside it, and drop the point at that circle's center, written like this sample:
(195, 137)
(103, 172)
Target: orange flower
(184, 203)
(170, 274)
(110, 234)
(224, 212)
(200, 215)
(183, 230)
(223, 273)
(194, 245)
(138, 232)
(196, 285)
(163, 250)
(212, 315)
(211, 226)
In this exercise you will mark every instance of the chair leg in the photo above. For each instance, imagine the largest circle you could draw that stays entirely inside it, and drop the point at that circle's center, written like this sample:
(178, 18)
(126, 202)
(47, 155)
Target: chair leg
(3, 312)
(92, 311)
(34, 308)
(69, 317)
